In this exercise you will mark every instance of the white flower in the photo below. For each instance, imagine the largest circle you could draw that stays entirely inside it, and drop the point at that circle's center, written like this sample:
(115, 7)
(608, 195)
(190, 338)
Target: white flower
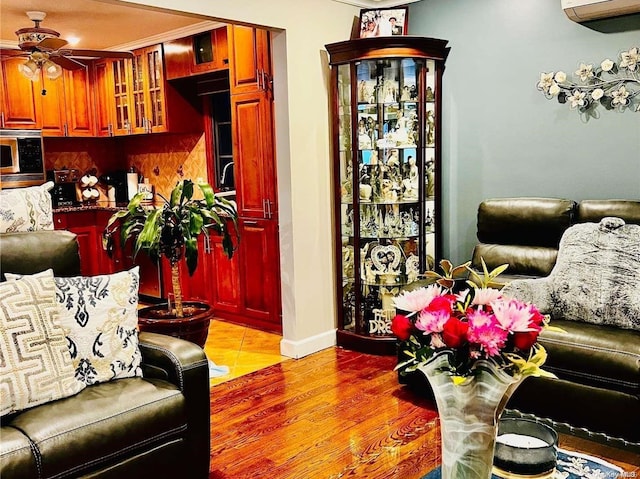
(597, 93)
(546, 80)
(630, 59)
(585, 71)
(561, 77)
(620, 96)
(577, 99)
(554, 89)
(607, 65)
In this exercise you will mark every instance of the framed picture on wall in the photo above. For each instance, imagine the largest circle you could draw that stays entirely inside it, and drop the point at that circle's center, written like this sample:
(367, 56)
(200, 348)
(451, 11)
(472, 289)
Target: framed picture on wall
(383, 22)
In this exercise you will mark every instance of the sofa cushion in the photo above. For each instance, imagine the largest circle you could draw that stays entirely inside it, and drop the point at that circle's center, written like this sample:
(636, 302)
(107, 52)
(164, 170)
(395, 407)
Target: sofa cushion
(600, 356)
(592, 211)
(522, 260)
(103, 424)
(36, 366)
(596, 278)
(26, 209)
(99, 315)
(16, 457)
(524, 221)
(28, 253)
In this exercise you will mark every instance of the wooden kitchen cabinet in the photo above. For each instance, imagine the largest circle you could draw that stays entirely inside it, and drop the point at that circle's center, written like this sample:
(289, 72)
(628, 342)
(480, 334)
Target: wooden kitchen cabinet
(67, 107)
(20, 105)
(133, 97)
(253, 150)
(83, 224)
(259, 274)
(250, 55)
(194, 55)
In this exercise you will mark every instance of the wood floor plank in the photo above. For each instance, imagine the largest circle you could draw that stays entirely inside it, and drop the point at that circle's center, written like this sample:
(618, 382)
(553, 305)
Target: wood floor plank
(333, 415)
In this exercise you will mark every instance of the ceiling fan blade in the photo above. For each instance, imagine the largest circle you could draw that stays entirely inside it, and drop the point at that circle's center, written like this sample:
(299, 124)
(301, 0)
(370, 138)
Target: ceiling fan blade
(52, 43)
(66, 63)
(95, 53)
(15, 53)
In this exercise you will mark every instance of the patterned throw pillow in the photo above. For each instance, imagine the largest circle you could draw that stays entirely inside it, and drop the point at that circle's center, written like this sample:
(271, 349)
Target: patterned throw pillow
(26, 209)
(36, 366)
(99, 315)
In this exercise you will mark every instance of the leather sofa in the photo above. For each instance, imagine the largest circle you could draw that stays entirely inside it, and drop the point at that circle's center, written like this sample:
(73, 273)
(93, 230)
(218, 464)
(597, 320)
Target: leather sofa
(598, 366)
(155, 426)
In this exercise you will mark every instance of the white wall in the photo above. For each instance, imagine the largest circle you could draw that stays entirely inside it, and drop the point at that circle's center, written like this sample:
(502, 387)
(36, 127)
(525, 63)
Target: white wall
(302, 149)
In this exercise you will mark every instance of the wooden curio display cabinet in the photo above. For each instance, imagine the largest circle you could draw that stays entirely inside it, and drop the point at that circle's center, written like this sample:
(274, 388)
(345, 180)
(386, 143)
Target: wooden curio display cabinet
(386, 97)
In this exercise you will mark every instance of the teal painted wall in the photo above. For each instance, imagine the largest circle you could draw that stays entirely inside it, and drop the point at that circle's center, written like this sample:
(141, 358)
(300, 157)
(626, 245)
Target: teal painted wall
(501, 136)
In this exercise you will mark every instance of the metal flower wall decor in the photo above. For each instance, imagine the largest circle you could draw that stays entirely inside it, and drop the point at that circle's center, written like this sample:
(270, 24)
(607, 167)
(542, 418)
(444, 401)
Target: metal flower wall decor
(614, 85)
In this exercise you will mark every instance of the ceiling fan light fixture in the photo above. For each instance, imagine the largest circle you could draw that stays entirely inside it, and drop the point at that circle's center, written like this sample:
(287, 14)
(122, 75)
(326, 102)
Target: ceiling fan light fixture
(52, 70)
(29, 69)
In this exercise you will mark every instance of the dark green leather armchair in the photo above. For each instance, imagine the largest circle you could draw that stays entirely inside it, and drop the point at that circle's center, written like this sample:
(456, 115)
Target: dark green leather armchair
(155, 426)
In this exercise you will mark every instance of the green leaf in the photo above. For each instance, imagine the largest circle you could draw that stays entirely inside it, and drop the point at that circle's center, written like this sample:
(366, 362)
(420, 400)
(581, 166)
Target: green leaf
(187, 190)
(191, 254)
(208, 194)
(176, 194)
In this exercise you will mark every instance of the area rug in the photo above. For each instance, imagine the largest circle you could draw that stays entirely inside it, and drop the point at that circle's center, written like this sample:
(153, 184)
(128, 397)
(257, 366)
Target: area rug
(571, 465)
(216, 371)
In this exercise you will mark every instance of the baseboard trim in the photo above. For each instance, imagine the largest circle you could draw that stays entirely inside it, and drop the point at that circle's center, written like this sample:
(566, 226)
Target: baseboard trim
(304, 347)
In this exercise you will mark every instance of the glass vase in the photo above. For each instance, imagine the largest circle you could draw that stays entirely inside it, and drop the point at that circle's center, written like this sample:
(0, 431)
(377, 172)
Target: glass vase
(468, 414)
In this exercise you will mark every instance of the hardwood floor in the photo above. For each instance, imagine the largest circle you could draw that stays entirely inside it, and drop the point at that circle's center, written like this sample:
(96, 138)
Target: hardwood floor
(334, 414)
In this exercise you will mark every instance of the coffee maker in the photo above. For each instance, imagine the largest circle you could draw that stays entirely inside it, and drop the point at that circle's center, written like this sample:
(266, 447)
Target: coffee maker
(118, 181)
(64, 191)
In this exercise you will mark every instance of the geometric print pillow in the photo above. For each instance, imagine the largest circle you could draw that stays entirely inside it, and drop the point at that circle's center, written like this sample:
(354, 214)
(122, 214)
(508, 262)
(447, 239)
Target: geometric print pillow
(35, 365)
(99, 315)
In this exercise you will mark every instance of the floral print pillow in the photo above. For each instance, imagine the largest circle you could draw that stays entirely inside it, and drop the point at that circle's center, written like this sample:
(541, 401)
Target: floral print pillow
(26, 209)
(99, 315)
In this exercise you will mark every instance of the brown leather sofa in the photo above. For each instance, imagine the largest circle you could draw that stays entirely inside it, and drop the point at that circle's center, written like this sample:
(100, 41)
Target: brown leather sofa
(598, 367)
(155, 426)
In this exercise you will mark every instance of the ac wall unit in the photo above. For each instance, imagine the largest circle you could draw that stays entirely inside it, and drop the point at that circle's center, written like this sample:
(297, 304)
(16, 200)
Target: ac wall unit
(584, 10)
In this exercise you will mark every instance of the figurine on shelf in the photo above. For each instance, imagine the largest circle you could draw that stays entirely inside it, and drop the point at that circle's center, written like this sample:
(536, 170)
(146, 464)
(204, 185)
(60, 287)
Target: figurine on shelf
(410, 183)
(431, 174)
(431, 128)
(429, 94)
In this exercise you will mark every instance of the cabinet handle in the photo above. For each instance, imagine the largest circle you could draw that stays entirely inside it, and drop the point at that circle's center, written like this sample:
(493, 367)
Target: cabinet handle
(110, 129)
(65, 128)
(268, 202)
(259, 75)
(250, 223)
(2, 119)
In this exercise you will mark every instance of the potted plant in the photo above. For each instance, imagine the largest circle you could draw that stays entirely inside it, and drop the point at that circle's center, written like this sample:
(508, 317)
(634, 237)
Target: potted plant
(171, 231)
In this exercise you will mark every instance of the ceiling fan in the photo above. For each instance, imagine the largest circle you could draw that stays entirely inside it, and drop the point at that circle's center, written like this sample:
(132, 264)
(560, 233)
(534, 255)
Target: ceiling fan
(44, 49)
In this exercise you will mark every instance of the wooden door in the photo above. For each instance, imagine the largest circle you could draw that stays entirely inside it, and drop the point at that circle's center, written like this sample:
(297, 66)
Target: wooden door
(250, 66)
(89, 249)
(104, 101)
(251, 116)
(259, 260)
(20, 101)
(78, 102)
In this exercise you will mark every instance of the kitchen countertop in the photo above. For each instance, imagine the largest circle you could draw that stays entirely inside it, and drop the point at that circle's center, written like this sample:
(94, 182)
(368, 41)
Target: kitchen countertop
(99, 206)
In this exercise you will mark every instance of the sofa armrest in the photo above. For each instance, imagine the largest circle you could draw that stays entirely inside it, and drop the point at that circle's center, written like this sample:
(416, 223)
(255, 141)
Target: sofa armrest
(184, 364)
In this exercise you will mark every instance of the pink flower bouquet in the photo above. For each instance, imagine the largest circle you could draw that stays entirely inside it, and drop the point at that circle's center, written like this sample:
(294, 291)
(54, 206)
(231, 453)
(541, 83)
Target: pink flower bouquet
(473, 323)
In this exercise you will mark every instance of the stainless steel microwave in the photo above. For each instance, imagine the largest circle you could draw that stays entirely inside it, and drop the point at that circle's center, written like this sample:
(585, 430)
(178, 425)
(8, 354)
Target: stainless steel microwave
(21, 158)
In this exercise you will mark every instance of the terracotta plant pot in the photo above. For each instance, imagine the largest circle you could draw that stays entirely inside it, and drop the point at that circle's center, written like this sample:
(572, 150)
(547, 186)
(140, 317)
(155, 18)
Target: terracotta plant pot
(194, 326)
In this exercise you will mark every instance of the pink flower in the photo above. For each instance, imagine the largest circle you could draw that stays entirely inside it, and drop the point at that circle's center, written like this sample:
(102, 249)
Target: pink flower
(432, 321)
(486, 296)
(491, 337)
(418, 299)
(512, 315)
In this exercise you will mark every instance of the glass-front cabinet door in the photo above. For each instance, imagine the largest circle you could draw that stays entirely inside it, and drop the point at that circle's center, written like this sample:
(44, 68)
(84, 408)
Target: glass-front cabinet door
(386, 107)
